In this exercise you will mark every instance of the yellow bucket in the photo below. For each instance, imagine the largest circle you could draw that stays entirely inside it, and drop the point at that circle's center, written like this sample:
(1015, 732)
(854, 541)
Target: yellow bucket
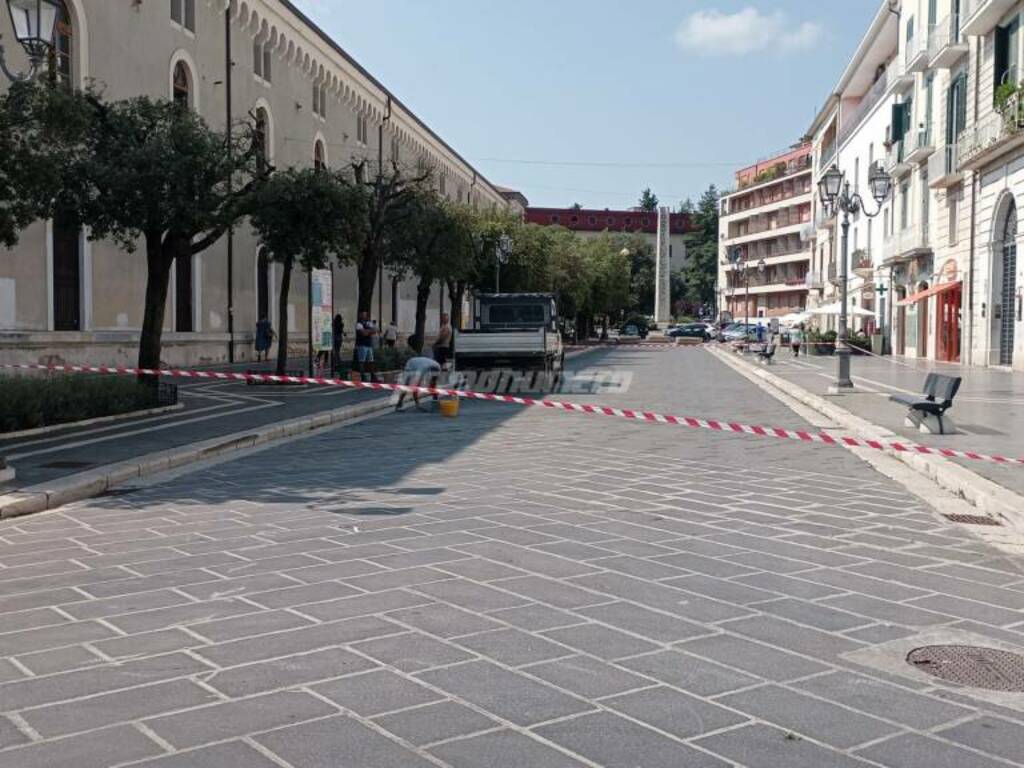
(449, 407)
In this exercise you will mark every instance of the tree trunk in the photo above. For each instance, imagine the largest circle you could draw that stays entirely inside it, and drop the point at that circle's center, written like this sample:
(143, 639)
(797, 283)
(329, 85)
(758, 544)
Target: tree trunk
(422, 298)
(282, 318)
(456, 292)
(158, 277)
(369, 265)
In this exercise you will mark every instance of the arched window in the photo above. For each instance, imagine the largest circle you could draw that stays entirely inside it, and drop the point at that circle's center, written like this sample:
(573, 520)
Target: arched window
(261, 137)
(319, 159)
(181, 85)
(1007, 297)
(61, 53)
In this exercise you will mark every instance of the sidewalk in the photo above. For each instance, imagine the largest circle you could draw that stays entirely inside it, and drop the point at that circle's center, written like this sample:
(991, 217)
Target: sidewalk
(988, 410)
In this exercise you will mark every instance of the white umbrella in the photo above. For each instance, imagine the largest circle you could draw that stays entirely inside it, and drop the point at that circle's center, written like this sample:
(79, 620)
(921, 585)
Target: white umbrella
(834, 309)
(794, 318)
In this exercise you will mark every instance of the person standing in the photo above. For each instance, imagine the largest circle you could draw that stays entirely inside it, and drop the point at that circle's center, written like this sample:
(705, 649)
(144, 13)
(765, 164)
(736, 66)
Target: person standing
(796, 338)
(365, 333)
(443, 343)
(337, 337)
(264, 337)
(391, 335)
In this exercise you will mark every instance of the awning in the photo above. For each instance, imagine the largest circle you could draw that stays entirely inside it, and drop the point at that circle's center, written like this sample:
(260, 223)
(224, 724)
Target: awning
(927, 292)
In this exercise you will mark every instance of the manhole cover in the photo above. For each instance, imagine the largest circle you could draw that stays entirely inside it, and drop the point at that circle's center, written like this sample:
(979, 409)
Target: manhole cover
(972, 519)
(971, 665)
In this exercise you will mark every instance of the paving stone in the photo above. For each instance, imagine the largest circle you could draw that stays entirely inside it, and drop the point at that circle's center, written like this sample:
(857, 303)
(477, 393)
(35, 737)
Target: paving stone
(551, 591)
(968, 609)
(376, 692)
(412, 652)
(435, 722)
(813, 614)
(230, 754)
(641, 621)
(506, 694)
(679, 714)
(614, 742)
(98, 749)
(232, 719)
(755, 658)
(221, 588)
(179, 615)
(303, 595)
(720, 589)
(147, 644)
(587, 677)
(808, 716)
(10, 736)
(990, 735)
(26, 641)
(297, 641)
(527, 559)
(883, 700)
(536, 617)
(60, 659)
(260, 623)
(113, 708)
(513, 647)
(362, 605)
(406, 577)
(603, 642)
(508, 749)
(662, 597)
(471, 596)
(691, 673)
(443, 620)
(289, 671)
(913, 750)
(339, 741)
(784, 634)
(761, 746)
(31, 692)
(709, 566)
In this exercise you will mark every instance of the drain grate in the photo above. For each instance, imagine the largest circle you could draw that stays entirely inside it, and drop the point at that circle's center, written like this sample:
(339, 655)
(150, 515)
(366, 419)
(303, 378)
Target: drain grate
(971, 665)
(972, 519)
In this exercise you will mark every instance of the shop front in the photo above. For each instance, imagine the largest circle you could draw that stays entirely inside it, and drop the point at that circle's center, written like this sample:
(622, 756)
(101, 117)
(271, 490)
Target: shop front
(912, 284)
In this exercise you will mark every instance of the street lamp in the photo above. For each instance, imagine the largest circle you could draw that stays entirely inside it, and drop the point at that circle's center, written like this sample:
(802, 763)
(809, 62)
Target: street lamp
(35, 23)
(834, 190)
(502, 251)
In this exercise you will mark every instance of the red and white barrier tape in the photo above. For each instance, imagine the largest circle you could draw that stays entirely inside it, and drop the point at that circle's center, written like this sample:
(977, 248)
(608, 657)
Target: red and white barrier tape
(600, 410)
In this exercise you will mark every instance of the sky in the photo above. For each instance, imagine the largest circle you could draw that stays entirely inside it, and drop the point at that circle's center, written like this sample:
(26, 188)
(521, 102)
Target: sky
(590, 101)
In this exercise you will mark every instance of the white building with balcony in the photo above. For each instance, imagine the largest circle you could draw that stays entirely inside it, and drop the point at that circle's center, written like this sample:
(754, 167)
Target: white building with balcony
(764, 252)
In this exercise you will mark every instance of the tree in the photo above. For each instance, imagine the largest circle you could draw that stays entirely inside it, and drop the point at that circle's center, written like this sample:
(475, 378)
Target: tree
(608, 268)
(477, 268)
(42, 131)
(302, 218)
(701, 272)
(389, 196)
(648, 200)
(432, 245)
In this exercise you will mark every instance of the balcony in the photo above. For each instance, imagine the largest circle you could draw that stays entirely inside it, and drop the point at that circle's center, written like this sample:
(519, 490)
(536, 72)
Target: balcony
(813, 281)
(915, 56)
(828, 153)
(899, 78)
(896, 163)
(944, 167)
(920, 147)
(867, 102)
(981, 16)
(946, 43)
(824, 220)
(833, 273)
(861, 263)
(905, 244)
(993, 136)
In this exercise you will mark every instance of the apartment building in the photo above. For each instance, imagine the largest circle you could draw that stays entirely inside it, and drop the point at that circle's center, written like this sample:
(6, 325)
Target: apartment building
(764, 231)
(931, 94)
(63, 297)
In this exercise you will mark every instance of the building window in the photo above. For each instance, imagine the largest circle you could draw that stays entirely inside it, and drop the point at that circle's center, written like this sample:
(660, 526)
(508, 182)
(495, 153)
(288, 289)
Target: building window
(323, 101)
(646, 221)
(953, 208)
(394, 150)
(60, 53)
(316, 99)
(574, 219)
(362, 130)
(67, 287)
(320, 100)
(261, 59)
(592, 220)
(441, 185)
(555, 218)
(261, 137)
(183, 12)
(182, 86)
(611, 221)
(319, 158)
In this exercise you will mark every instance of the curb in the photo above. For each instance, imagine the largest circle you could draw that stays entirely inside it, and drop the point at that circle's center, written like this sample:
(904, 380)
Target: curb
(84, 485)
(50, 428)
(985, 495)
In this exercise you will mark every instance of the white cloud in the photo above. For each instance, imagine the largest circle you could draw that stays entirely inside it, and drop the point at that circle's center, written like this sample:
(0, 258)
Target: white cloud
(714, 33)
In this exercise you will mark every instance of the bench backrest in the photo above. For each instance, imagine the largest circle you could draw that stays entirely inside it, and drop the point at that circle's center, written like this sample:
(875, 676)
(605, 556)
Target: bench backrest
(941, 388)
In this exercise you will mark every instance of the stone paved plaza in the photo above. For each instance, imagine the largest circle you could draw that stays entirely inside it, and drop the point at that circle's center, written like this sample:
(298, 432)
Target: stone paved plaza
(515, 588)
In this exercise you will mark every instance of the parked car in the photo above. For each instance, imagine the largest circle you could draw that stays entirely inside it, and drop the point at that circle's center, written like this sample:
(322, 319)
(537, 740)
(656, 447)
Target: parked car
(738, 332)
(690, 331)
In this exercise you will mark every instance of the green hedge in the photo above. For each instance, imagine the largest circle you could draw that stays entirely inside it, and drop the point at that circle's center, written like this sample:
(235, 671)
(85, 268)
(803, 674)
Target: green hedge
(29, 402)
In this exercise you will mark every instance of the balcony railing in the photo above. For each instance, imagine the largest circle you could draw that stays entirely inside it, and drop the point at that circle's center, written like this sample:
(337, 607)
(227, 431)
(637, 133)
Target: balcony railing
(944, 167)
(920, 145)
(946, 43)
(757, 226)
(864, 106)
(778, 171)
(980, 16)
(828, 153)
(760, 200)
(905, 242)
(896, 162)
(993, 135)
(812, 280)
(915, 55)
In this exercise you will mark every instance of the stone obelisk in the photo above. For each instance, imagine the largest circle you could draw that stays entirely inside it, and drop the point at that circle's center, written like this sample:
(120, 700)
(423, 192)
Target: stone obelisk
(662, 272)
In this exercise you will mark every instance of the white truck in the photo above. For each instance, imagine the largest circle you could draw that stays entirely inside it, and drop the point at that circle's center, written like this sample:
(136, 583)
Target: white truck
(516, 331)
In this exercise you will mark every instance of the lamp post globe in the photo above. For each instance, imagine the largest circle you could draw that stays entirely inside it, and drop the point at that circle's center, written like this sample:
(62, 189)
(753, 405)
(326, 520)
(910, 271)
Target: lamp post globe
(880, 183)
(830, 185)
(34, 23)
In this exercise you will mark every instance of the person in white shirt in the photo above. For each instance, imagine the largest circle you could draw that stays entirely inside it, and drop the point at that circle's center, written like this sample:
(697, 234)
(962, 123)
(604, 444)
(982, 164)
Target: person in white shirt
(391, 334)
(419, 372)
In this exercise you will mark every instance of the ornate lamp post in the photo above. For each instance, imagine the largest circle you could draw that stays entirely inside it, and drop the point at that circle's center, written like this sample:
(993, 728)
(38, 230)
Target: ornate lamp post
(835, 194)
(502, 252)
(34, 24)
